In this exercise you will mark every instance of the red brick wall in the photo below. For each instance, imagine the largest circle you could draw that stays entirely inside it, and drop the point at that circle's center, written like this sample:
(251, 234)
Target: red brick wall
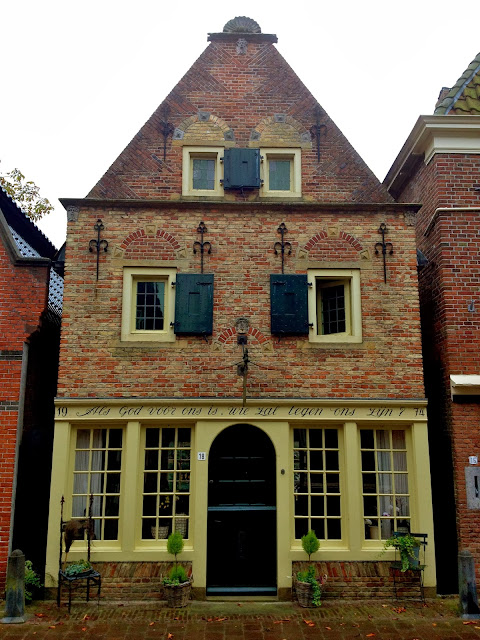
(386, 364)
(353, 580)
(241, 90)
(23, 294)
(451, 334)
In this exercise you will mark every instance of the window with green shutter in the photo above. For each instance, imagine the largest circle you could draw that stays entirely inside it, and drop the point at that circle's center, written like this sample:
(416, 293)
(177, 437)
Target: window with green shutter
(193, 304)
(289, 304)
(241, 168)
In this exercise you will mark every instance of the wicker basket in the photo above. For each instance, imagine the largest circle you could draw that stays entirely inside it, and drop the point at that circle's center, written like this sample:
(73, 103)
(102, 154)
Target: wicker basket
(304, 593)
(178, 595)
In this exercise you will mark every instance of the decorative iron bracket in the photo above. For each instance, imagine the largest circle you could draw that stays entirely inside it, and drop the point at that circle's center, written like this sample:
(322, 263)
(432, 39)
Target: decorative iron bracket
(202, 246)
(281, 247)
(98, 245)
(386, 247)
(166, 128)
(242, 370)
(316, 129)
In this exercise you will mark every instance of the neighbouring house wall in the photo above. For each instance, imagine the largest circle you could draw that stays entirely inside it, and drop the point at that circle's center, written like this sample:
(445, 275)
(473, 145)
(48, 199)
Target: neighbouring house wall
(451, 336)
(23, 292)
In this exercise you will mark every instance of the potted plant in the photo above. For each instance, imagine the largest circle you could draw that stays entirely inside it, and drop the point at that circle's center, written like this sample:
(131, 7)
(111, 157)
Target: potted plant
(308, 587)
(177, 585)
(78, 569)
(408, 547)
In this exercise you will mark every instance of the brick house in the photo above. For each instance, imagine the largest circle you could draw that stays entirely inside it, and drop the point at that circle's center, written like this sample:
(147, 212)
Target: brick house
(30, 311)
(439, 166)
(239, 363)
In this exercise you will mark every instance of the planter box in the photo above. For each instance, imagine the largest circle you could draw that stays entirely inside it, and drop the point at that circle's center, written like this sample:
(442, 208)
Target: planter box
(178, 595)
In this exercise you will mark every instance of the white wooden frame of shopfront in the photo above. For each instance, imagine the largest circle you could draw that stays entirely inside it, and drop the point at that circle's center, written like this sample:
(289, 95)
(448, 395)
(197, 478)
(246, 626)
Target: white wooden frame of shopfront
(207, 418)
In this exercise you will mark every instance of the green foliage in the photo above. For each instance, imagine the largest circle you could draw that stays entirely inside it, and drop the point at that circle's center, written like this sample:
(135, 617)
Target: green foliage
(32, 579)
(177, 575)
(175, 544)
(78, 567)
(309, 577)
(406, 544)
(26, 194)
(310, 543)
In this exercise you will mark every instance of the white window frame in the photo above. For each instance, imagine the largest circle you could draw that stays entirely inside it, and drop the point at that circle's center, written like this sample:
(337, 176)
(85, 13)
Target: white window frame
(173, 495)
(132, 275)
(295, 157)
(353, 305)
(189, 154)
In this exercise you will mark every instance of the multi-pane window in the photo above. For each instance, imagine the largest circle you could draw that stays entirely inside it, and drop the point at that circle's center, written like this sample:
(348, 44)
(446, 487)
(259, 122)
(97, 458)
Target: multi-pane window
(281, 172)
(166, 482)
(316, 483)
(97, 473)
(150, 305)
(204, 173)
(279, 175)
(332, 301)
(334, 305)
(386, 498)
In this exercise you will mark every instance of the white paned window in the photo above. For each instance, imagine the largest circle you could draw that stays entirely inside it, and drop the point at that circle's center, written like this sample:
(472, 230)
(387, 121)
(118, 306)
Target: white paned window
(316, 483)
(97, 473)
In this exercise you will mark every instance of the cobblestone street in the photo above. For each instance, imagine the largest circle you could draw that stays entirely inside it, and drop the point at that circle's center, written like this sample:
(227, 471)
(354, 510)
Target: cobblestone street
(339, 620)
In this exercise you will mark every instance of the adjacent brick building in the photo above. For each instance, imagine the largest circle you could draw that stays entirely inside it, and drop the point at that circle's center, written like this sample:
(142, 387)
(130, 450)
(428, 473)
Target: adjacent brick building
(30, 311)
(439, 165)
(240, 360)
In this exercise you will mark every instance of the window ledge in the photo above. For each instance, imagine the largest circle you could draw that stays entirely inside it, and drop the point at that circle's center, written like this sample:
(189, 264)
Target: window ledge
(305, 344)
(177, 343)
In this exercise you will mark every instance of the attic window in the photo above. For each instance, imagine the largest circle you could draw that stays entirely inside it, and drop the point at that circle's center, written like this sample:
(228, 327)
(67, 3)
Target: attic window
(202, 171)
(281, 173)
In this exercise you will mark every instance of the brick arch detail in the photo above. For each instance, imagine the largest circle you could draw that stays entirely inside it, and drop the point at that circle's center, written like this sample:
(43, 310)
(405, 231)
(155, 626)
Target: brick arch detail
(343, 235)
(270, 120)
(141, 233)
(219, 122)
(231, 332)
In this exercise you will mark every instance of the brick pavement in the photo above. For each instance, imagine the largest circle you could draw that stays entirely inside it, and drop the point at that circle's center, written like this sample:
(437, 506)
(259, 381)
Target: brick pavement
(339, 620)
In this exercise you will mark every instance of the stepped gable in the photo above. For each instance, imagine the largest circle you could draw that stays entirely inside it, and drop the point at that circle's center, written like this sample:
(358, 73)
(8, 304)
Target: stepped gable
(240, 79)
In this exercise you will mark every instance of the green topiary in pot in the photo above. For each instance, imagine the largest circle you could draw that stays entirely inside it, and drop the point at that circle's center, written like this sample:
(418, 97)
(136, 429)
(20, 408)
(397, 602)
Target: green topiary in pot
(309, 590)
(177, 584)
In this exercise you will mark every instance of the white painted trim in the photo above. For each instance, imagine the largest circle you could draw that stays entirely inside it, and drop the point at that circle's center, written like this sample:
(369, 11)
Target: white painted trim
(437, 134)
(465, 385)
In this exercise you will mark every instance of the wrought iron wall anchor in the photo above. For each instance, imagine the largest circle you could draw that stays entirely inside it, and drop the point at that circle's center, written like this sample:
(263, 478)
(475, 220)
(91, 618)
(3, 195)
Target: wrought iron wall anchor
(386, 247)
(317, 128)
(202, 246)
(281, 247)
(98, 245)
(242, 370)
(166, 128)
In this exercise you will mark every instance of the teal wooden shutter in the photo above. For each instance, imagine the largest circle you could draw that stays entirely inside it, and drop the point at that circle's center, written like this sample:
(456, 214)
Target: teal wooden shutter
(289, 304)
(241, 168)
(194, 304)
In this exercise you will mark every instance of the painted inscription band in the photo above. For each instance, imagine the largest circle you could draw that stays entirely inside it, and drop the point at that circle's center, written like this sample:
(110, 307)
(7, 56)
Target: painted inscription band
(205, 411)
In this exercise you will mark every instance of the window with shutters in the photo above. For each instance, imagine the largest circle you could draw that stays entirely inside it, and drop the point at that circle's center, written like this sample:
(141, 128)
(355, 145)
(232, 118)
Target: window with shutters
(194, 304)
(289, 304)
(334, 305)
(148, 304)
(202, 171)
(241, 168)
(281, 173)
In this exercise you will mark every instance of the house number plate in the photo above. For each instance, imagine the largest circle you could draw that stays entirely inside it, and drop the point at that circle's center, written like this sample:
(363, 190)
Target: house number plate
(201, 455)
